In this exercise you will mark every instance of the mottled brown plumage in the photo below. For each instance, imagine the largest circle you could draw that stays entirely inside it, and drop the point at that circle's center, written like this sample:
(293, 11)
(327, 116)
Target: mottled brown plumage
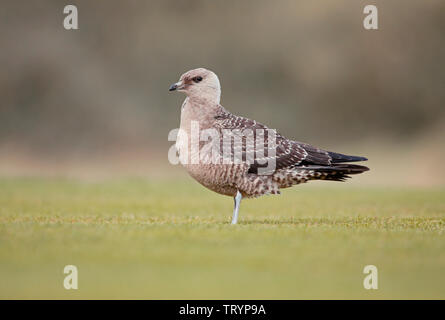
(294, 162)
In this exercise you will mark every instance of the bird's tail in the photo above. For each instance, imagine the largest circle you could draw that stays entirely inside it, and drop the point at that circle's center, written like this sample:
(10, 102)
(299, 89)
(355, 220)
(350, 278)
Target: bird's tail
(337, 171)
(340, 158)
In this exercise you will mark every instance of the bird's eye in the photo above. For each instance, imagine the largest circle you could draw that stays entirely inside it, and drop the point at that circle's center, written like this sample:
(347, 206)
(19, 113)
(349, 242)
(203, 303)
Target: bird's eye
(197, 79)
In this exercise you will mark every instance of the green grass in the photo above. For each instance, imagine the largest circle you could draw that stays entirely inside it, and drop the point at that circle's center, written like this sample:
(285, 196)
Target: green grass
(166, 239)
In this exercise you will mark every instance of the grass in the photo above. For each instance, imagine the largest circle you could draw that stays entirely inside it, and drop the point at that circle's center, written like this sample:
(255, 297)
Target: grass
(165, 239)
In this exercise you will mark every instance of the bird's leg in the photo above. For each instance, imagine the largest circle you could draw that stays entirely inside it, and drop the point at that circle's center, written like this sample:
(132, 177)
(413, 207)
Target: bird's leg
(237, 200)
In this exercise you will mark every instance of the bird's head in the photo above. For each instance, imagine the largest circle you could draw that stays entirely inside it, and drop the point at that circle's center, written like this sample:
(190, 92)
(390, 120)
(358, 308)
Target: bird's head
(199, 83)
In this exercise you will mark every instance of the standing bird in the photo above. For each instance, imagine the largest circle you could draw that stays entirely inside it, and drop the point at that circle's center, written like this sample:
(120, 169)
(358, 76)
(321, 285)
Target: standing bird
(262, 168)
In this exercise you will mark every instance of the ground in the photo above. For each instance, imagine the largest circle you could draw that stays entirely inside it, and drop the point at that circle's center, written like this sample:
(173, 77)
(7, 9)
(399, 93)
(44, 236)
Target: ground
(171, 239)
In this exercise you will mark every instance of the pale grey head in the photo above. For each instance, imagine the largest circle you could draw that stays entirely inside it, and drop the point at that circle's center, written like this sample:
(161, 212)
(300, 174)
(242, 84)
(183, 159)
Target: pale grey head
(199, 83)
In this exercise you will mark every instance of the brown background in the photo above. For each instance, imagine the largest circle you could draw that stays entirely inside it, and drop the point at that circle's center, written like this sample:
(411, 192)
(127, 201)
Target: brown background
(95, 101)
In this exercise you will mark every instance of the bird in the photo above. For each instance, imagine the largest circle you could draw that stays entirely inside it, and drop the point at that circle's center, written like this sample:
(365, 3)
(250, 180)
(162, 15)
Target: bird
(230, 164)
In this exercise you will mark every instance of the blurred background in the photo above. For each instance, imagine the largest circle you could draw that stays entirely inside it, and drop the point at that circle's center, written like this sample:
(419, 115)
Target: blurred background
(94, 102)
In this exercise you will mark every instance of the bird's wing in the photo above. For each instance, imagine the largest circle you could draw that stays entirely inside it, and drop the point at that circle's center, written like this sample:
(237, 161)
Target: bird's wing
(284, 153)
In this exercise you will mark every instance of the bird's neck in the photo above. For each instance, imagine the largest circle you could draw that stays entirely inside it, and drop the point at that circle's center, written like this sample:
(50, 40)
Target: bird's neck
(207, 96)
(200, 110)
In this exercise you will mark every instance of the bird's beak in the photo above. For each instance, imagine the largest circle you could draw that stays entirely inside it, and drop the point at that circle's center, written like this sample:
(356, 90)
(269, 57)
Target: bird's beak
(175, 86)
